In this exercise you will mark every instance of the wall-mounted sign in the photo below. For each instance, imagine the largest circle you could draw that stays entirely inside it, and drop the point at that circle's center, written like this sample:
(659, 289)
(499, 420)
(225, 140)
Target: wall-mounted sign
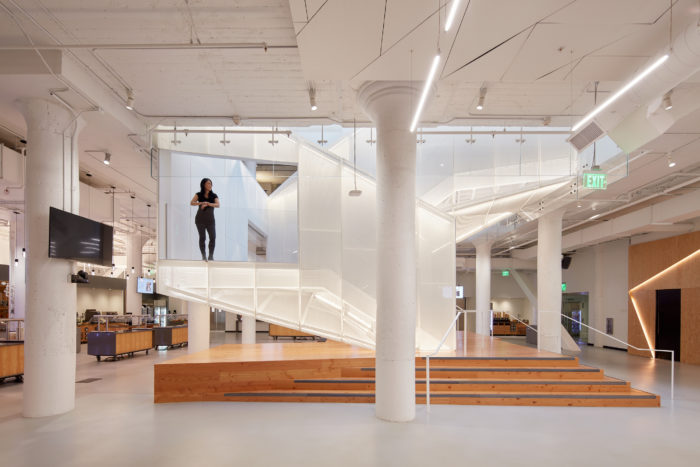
(595, 181)
(563, 286)
(505, 273)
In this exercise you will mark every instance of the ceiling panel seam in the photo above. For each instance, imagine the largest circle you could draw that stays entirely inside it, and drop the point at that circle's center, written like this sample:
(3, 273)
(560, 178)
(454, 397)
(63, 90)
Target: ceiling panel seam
(308, 21)
(396, 43)
(381, 41)
(459, 28)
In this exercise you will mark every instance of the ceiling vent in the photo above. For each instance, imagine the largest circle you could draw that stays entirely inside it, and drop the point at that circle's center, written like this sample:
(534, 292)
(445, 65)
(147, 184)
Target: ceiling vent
(587, 135)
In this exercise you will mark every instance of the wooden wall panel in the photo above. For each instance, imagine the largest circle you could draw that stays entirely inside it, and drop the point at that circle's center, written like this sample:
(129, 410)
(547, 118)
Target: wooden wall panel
(690, 325)
(645, 261)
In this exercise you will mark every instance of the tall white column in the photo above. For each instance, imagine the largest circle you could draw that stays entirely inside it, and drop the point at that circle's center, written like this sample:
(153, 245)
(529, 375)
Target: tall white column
(248, 331)
(483, 287)
(49, 347)
(133, 259)
(198, 327)
(549, 282)
(389, 104)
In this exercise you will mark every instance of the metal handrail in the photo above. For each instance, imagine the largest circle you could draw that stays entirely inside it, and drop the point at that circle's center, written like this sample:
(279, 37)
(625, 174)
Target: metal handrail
(673, 353)
(620, 341)
(444, 338)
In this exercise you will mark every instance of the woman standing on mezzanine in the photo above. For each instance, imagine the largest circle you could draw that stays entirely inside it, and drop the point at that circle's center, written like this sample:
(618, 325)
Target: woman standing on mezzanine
(207, 200)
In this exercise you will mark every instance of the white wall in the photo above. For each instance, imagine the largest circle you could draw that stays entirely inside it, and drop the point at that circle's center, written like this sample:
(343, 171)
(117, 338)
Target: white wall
(100, 299)
(601, 271)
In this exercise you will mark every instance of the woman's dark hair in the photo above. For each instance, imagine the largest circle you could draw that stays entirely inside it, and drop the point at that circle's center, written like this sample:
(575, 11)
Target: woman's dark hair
(201, 185)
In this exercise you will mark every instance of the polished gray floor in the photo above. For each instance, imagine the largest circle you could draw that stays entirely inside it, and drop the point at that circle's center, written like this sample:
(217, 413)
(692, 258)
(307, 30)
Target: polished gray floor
(115, 423)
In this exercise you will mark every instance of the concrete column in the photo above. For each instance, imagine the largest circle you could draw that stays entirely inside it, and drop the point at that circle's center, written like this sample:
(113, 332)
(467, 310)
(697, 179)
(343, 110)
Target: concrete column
(390, 106)
(248, 331)
(549, 282)
(49, 347)
(133, 259)
(198, 326)
(483, 287)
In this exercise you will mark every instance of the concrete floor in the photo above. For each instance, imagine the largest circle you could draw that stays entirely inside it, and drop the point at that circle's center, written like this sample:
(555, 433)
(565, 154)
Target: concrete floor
(115, 423)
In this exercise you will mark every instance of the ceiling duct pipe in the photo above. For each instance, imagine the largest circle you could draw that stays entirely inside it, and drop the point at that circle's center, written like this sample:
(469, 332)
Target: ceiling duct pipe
(651, 120)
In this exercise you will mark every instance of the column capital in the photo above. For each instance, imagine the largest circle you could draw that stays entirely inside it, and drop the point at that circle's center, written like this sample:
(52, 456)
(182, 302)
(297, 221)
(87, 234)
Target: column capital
(389, 103)
(43, 114)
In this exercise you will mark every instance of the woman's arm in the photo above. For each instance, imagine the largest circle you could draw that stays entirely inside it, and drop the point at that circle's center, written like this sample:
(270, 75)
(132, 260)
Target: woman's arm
(215, 204)
(194, 201)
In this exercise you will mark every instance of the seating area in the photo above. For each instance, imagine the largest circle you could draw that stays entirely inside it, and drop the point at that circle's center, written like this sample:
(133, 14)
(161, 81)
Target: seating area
(494, 372)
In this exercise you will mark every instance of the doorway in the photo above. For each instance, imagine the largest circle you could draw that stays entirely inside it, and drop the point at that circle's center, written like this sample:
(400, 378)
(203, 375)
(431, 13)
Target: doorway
(668, 323)
(575, 306)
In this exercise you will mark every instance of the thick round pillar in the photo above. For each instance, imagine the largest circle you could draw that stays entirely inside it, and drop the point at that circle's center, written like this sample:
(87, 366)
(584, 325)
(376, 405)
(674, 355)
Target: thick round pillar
(50, 307)
(134, 246)
(549, 282)
(483, 287)
(198, 327)
(18, 271)
(389, 104)
(248, 330)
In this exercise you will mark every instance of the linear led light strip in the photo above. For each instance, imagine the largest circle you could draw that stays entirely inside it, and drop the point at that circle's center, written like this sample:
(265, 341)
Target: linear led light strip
(451, 15)
(486, 224)
(641, 321)
(426, 89)
(620, 92)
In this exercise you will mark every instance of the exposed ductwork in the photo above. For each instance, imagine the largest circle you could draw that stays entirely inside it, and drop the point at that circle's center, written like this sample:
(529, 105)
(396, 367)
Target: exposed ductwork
(651, 119)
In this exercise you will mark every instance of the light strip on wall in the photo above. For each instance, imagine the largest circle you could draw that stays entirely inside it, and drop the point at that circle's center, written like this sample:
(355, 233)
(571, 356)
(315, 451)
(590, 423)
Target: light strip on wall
(656, 276)
(483, 226)
(451, 15)
(620, 92)
(426, 89)
(641, 322)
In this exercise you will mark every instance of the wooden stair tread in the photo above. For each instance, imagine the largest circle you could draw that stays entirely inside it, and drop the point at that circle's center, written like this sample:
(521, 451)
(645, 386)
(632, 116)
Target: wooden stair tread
(605, 380)
(631, 394)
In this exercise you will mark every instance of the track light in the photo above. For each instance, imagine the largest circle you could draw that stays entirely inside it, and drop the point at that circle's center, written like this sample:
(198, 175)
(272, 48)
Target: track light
(16, 262)
(620, 92)
(671, 162)
(312, 98)
(132, 269)
(426, 89)
(24, 252)
(451, 15)
(130, 99)
(482, 96)
(92, 272)
(108, 158)
(668, 105)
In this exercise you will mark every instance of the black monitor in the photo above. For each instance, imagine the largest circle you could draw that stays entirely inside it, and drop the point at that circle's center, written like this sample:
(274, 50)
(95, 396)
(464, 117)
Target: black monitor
(79, 239)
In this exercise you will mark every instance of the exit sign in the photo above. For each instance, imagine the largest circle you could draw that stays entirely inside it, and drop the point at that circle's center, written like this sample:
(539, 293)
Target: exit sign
(563, 286)
(595, 181)
(505, 273)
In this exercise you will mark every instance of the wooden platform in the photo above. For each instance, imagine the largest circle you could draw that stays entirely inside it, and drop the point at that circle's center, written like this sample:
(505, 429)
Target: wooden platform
(494, 372)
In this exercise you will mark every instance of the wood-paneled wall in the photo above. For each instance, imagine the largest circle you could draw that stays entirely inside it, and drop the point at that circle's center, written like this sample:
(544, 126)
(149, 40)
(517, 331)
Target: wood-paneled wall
(649, 259)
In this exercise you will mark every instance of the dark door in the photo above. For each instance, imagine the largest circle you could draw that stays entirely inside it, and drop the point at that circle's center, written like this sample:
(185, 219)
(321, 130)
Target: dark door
(668, 322)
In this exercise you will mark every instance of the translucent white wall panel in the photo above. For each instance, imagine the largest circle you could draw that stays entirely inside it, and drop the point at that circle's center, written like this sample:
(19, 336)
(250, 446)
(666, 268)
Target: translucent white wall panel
(183, 279)
(283, 228)
(320, 242)
(232, 287)
(277, 288)
(436, 278)
(243, 203)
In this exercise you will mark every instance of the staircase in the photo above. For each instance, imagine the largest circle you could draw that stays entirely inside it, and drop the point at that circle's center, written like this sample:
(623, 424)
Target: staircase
(532, 381)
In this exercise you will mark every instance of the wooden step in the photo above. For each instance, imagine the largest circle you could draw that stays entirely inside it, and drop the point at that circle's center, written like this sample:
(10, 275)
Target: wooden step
(457, 384)
(495, 362)
(632, 398)
(580, 372)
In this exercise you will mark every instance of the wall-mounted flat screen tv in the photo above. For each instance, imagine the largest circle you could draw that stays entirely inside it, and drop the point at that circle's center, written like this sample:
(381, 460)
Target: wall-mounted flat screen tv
(144, 285)
(79, 239)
